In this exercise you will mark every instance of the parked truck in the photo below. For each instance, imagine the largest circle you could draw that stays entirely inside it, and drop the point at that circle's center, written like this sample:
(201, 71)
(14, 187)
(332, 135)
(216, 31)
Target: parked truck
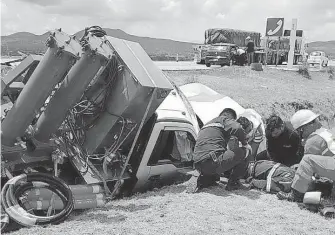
(233, 38)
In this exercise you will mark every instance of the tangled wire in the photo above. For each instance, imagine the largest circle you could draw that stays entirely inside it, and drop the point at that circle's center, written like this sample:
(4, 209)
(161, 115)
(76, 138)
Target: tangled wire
(12, 201)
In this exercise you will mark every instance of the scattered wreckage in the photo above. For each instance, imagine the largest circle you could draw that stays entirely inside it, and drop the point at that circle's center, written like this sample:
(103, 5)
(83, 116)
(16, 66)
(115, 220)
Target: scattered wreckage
(91, 120)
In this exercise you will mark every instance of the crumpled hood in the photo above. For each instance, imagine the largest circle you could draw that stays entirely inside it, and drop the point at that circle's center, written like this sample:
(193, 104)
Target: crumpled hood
(207, 103)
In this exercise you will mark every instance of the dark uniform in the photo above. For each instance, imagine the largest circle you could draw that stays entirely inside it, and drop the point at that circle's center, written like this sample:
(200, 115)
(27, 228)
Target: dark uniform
(286, 148)
(250, 52)
(211, 156)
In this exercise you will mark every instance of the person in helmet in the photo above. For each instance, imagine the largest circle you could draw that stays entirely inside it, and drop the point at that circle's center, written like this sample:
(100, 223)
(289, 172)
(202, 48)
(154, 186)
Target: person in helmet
(318, 140)
(217, 151)
(283, 143)
(319, 156)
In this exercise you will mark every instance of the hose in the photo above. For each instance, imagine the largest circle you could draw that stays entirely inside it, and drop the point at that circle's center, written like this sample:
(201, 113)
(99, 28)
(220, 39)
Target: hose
(16, 186)
(4, 220)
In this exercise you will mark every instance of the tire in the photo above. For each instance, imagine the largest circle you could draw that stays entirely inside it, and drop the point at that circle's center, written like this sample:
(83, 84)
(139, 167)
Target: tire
(202, 62)
(208, 65)
(221, 65)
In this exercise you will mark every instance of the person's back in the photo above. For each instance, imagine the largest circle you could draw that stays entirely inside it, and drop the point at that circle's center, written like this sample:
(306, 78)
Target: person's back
(250, 50)
(250, 47)
(320, 142)
(215, 136)
(257, 134)
(211, 155)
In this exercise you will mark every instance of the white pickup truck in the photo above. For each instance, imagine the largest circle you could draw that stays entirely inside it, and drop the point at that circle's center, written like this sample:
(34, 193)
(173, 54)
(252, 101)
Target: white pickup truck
(102, 151)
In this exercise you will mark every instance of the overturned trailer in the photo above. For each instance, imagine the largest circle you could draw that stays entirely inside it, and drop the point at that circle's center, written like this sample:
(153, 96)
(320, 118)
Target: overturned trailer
(92, 119)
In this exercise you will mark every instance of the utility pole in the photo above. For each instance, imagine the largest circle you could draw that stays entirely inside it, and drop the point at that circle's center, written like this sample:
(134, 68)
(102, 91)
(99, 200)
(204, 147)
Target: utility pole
(292, 43)
(277, 51)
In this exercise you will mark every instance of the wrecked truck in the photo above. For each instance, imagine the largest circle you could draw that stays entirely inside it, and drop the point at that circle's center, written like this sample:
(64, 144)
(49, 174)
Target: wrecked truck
(90, 120)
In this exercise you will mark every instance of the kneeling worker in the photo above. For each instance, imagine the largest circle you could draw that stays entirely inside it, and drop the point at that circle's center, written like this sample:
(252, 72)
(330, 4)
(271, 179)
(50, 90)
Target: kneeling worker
(319, 157)
(253, 126)
(211, 156)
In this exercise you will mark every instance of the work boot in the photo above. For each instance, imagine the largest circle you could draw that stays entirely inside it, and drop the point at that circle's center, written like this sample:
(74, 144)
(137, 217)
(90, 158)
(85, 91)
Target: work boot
(193, 183)
(292, 196)
(233, 185)
(208, 181)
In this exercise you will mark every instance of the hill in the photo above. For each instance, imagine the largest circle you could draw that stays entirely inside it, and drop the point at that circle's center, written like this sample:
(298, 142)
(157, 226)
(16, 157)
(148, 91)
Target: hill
(328, 47)
(156, 48)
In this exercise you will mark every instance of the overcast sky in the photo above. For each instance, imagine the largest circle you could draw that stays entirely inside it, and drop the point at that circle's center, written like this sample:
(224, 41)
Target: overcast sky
(184, 20)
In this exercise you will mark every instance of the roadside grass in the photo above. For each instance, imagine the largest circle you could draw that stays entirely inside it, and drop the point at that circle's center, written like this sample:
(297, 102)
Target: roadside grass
(304, 71)
(170, 210)
(268, 91)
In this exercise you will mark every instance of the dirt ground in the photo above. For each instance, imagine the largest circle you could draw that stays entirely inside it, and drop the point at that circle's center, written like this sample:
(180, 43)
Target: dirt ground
(171, 210)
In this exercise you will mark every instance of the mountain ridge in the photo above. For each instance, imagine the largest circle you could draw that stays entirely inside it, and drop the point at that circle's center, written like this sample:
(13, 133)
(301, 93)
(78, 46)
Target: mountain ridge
(157, 48)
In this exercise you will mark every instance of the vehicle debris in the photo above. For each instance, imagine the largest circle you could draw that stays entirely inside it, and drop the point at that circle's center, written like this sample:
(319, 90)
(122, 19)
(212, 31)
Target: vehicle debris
(89, 121)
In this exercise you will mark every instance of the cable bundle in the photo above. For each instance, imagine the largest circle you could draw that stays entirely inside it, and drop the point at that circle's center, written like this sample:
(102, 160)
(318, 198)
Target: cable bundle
(4, 220)
(15, 187)
(96, 31)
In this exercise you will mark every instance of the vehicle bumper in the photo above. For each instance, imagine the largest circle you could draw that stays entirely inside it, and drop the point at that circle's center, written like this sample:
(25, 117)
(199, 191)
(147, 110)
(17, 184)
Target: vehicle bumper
(217, 61)
(313, 61)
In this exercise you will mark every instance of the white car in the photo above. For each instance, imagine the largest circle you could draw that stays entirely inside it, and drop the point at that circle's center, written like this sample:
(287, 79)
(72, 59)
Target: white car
(318, 57)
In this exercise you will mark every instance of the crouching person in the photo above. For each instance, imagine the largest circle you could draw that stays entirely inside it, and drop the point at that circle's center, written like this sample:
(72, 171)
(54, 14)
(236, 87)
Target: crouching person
(319, 157)
(211, 154)
(270, 176)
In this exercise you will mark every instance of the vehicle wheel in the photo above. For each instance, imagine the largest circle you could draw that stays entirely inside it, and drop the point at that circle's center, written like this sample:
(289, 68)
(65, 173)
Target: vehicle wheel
(202, 61)
(208, 65)
(312, 64)
(221, 65)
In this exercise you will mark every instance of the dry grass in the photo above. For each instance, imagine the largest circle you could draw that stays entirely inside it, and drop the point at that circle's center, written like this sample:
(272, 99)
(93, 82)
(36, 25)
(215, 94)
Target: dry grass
(304, 71)
(269, 91)
(215, 211)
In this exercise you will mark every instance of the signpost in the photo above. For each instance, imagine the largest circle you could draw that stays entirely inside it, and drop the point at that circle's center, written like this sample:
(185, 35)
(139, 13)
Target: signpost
(274, 28)
(292, 43)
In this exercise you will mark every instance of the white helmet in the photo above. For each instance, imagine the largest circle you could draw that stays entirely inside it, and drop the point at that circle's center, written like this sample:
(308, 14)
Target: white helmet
(302, 117)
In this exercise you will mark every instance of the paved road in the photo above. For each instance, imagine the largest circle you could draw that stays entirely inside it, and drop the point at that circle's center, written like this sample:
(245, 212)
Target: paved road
(190, 65)
(181, 65)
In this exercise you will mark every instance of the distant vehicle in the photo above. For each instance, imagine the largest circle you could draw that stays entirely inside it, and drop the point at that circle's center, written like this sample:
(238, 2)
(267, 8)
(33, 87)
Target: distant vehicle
(218, 35)
(220, 54)
(318, 57)
(200, 53)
